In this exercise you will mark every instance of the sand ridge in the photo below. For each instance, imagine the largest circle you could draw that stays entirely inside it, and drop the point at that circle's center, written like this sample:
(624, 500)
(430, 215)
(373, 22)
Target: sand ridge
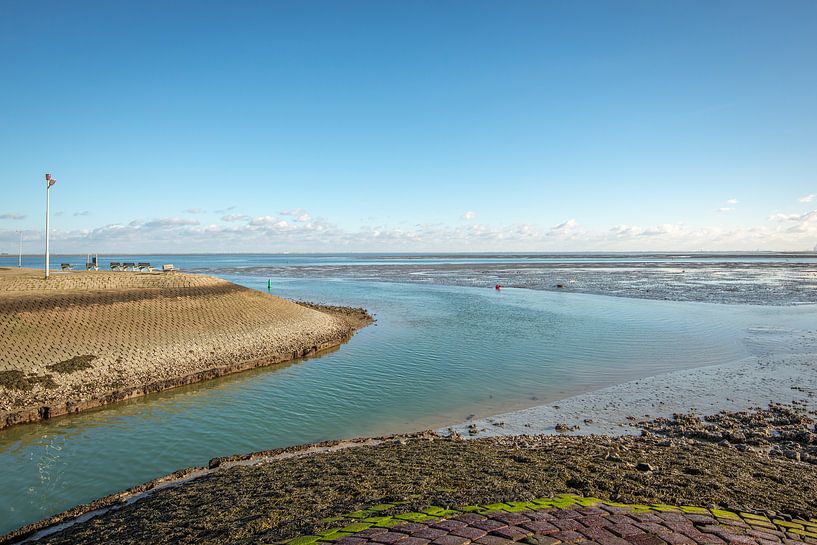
(83, 339)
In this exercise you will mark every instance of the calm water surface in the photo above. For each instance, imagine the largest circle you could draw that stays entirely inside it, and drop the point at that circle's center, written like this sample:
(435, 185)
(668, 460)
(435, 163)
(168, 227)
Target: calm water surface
(437, 355)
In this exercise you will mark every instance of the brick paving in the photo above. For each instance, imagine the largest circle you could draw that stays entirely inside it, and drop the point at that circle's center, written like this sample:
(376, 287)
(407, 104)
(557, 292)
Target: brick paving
(569, 520)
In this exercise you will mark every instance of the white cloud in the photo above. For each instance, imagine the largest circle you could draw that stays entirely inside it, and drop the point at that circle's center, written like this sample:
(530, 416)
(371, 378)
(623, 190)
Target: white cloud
(724, 210)
(235, 217)
(270, 222)
(803, 224)
(731, 201)
(783, 217)
(194, 210)
(626, 231)
(12, 216)
(470, 215)
(665, 229)
(808, 198)
(164, 223)
(297, 214)
(83, 213)
(275, 233)
(564, 228)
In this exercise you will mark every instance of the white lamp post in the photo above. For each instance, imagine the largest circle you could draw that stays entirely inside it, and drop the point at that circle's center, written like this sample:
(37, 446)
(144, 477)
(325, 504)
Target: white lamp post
(49, 181)
(20, 254)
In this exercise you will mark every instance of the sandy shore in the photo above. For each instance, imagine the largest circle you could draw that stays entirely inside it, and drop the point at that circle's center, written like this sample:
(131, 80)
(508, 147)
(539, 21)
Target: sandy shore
(782, 369)
(617, 410)
(85, 339)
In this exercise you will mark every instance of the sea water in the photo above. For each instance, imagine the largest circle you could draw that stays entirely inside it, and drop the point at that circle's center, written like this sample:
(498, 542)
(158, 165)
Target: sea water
(437, 355)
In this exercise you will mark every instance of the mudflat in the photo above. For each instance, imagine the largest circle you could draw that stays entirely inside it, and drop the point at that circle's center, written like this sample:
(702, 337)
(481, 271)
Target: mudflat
(83, 339)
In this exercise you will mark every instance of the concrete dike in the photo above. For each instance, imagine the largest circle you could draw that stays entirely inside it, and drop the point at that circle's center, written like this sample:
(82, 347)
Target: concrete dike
(81, 340)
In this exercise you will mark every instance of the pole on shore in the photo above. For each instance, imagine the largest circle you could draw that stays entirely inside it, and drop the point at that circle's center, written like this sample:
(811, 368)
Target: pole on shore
(49, 181)
(20, 251)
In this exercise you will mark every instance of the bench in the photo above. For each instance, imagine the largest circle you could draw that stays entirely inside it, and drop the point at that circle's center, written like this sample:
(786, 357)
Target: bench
(66, 267)
(168, 267)
(145, 266)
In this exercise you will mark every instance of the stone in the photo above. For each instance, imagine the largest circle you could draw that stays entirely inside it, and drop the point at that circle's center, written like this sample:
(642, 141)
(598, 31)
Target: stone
(514, 533)
(349, 540)
(451, 539)
(429, 533)
(646, 539)
(389, 538)
(494, 540)
(541, 527)
(470, 532)
(489, 525)
(414, 541)
(448, 525)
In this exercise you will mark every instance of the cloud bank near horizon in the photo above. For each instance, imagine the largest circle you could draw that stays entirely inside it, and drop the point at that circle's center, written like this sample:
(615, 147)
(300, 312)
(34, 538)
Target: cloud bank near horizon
(297, 231)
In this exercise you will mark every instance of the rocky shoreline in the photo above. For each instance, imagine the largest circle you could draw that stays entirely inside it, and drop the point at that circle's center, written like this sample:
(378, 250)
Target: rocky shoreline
(271, 496)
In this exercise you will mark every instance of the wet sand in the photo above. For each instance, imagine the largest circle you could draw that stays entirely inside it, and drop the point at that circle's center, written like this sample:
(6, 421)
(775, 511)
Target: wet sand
(619, 409)
(84, 339)
(731, 280)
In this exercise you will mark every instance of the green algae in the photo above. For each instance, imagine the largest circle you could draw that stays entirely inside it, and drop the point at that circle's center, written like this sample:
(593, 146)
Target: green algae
(17, 380)
(564, 501)
(71, 365)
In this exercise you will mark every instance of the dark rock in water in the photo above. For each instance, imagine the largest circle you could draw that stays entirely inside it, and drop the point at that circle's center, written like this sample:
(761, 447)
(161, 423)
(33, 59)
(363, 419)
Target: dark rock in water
(561, 427)
(643, 466)
(560, 285)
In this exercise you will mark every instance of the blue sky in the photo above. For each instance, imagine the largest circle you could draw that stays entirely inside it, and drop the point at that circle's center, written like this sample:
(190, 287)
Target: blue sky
(410, 126)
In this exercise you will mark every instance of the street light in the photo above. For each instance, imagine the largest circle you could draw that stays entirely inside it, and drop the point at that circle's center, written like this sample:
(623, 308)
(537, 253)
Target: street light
(49, 181)
(20, 254)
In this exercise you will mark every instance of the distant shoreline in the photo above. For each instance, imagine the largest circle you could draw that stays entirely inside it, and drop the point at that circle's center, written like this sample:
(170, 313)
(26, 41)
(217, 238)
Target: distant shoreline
(85, 340)
(598, 254)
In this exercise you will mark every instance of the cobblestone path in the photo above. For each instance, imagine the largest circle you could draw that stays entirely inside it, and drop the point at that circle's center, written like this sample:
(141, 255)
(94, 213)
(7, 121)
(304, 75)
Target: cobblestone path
(566, 519)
